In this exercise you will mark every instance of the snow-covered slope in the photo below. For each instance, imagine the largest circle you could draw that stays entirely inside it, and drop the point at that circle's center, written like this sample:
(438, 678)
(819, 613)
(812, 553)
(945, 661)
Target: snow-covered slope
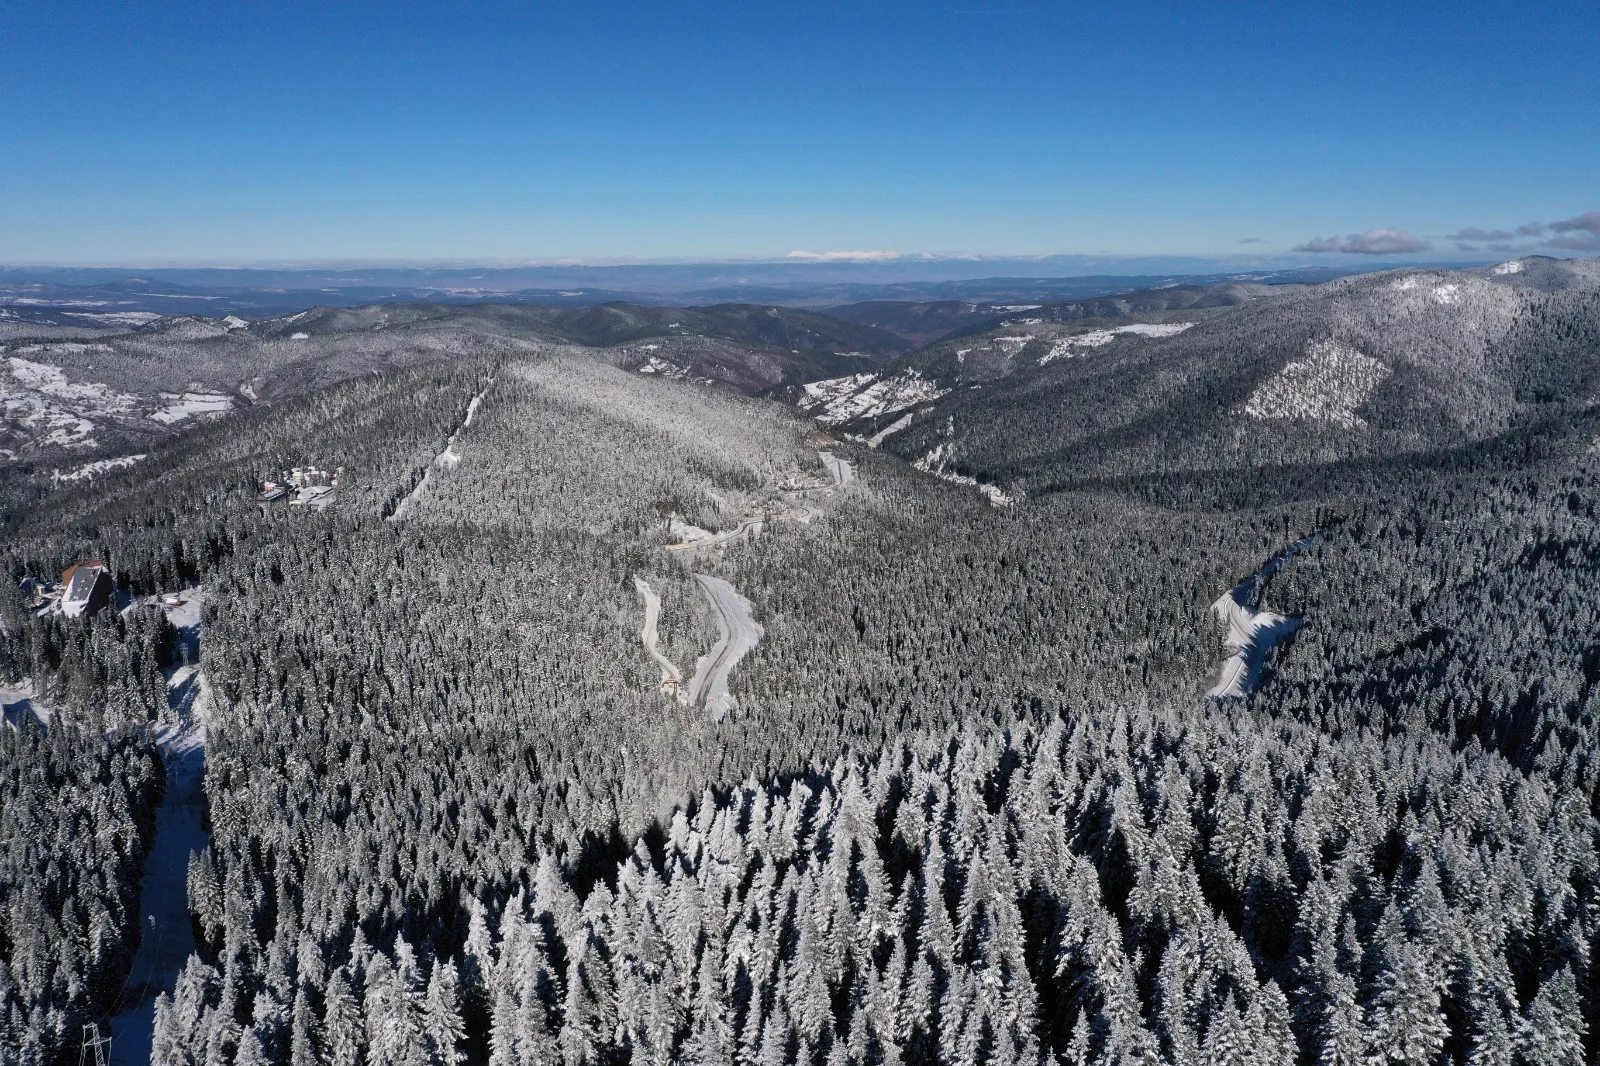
(1328, 385)
(838, 400)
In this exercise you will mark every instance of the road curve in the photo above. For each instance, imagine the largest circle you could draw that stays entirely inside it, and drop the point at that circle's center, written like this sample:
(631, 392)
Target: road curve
(652, 612)
(739, 634)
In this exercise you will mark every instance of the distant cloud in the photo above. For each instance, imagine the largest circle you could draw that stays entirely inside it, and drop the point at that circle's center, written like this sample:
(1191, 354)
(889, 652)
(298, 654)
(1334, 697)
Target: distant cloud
(1473, 233)
(1578, 234)
(843, 257)
(1252, 240)
(1584, 230)
(1372, 242)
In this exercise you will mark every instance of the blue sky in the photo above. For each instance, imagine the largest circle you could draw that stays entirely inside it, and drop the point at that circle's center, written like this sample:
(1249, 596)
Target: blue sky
(184, 131)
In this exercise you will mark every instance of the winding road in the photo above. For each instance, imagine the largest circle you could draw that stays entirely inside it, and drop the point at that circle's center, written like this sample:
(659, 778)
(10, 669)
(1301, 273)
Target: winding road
(739, 634)
(652, 612)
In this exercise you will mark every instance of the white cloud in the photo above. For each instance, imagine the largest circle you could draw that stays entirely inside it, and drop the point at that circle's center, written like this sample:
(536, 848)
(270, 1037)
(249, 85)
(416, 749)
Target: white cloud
(1373, 242)
(843, 257)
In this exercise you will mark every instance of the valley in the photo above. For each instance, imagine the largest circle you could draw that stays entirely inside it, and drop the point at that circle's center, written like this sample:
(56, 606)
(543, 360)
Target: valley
(997, 739)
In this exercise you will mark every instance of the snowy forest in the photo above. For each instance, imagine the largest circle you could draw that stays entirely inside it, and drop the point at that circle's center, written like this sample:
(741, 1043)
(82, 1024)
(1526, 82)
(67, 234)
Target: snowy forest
(972, 802)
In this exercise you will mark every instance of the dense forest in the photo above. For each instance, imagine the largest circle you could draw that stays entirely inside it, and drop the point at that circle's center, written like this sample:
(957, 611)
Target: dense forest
(973, 804)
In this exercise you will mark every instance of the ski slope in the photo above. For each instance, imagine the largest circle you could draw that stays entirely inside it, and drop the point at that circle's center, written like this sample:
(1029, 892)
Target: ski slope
(167, 937)
(445, 460)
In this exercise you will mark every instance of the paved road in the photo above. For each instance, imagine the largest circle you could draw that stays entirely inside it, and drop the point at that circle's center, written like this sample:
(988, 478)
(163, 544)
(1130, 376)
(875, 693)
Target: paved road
(841, 470)
(652, 612)
(739, 634)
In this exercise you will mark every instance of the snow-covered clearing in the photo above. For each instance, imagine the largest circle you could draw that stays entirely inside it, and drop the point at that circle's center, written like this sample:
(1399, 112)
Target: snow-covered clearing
(841, 470)
(671, 676)
(299, 336)
(191, 405)
(445, 460)
(695, 537)
(98, 467)
(740, 633)
(836, 400)
(37, 399)
(1513, 266)
(1065, 348)
(1327, 385)
(18, 702)
(166, 935)
(1251, 634)
(937, 463)
(894, 427)
(667, 369)
(116, 318)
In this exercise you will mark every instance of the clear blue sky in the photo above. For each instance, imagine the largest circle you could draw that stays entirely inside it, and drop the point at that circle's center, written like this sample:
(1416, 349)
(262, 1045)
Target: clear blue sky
(186, 131)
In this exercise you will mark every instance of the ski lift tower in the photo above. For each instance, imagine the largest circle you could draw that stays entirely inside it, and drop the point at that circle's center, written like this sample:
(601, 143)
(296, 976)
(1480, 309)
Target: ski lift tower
(95, 1047)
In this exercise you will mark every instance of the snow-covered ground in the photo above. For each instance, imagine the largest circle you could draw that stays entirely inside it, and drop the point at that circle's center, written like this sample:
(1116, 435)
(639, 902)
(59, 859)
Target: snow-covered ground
(18, 702)
(445, 460)
(894, 427)
(98, 467)
(937, 463)
(1067, 347)
(1251, 634)
(836, 400)
(1327, 385)
(166, 936)
(694, 537)
(37, 400)
(115, 318)
(841, 470)
(667, 369)
(1513, 266)
(670, 674)
(740, 633)
(191, 405)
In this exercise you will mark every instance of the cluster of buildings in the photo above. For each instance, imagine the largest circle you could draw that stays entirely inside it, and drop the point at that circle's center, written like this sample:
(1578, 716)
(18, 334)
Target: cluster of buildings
(303, 486)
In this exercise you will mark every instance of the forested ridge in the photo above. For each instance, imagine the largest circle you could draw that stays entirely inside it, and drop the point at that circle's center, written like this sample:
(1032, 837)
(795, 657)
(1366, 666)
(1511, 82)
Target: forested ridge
(972, 805)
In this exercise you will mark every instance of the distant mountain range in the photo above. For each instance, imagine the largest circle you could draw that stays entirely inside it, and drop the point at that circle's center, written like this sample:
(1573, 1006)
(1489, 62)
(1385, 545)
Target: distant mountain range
(62, 295)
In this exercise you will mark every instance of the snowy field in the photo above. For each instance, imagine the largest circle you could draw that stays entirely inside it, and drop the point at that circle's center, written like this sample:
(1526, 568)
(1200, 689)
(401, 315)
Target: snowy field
(1250, 634)
(1067, 347)
(1328, 385)
(937, 463)
(39, 403)
(445, 460)
(181, 406)
(90, 471)
(648, 634)
(836, 400)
